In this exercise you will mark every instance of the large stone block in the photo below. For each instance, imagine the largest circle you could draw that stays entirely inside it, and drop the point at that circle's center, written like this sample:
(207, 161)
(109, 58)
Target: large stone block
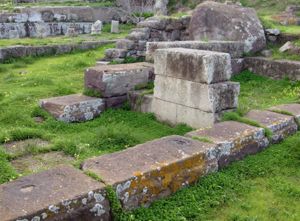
(140, 101)
(193, 65)
(234, 48)
(117, 80)
(206, 97)
(73, 108)
(293, 109)
(281, 125)
(155, 169)
(235, 140)
(63, 193)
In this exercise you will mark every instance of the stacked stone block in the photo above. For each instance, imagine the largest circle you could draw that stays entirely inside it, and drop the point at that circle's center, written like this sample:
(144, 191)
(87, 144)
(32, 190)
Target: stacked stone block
(192, 87)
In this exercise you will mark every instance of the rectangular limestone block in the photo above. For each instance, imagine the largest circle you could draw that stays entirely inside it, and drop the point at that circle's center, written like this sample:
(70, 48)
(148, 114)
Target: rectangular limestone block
(193, 65)
(293, 109)
(115, 102)
(117, 80)
(173, 114)
(63, 193)
(140, 101)
(154, 169)
(234, 48)
(235, 140)
(73, 108)
(206, 97)
(281, 125)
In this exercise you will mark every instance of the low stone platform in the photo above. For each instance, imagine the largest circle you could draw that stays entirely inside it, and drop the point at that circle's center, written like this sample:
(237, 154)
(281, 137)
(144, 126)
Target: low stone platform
(235, 140)
(117, 80)
(153, 170)
(73, 108)
(63, 193)
(281, 125)
(293, 109)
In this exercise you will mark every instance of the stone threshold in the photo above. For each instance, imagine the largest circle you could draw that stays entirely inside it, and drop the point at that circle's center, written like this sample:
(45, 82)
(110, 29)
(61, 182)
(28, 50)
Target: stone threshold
(141, 174)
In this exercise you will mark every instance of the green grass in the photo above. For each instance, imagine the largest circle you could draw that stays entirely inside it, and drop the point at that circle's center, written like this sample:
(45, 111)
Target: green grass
(277, 55)
(105, 35)
(268, 22)
(263, 187)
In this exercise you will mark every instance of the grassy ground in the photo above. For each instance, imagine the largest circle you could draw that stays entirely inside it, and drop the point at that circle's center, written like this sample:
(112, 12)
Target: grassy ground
(105, 35)
(277, 55)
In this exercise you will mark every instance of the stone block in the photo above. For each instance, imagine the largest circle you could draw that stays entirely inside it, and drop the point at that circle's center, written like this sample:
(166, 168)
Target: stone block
(63, 193)
(293, 109)
(125, 44)
(281, 125)
(140, 101)
(235, 140)
(73, 108)
(193, 65)
(206, 97)
(139, 34)
(113, 53)
(234, 48)
(115, 102)
(114, 27)
(117, 80)
(237, 66)
(154, 169)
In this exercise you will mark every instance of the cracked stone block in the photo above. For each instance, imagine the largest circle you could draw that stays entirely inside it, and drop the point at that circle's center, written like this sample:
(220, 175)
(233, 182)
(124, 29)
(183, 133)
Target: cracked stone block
(293, 109)
(63, 193)
(117, 80)
(281, 125)
(206, 97)
(193, 65)
(235, 140)
(140, 101)
(154, 169)
(73, 108)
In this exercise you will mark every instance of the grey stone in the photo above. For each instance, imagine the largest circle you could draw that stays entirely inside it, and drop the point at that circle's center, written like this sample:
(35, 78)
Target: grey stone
(293, 109)
(125, 44)
(114, 26)
(275, 32)
(160, 7)
(286, 47)
(96, 28)
(267, 53)
(237, 66)
(140, 101)
(115, 102)
(113, 53)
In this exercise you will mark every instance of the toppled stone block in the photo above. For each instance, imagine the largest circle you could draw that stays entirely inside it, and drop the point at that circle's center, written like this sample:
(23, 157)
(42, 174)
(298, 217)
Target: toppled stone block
(235, 140)
(63, 193)
(206, 97)
(293, 109)
(140, 101)
(113, 53)
(117, 80)
(234, 48)
(73, 108)
(281, 125)
(155, 169)
(193, 65)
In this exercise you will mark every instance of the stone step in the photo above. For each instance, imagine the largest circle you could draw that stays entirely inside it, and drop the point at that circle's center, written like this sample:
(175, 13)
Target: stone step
(140, 101)
(154, 169)
(293, 109)
(117, 80)
(63, 193)
(281, 125)
(235, 140)
(73, 108)
(193, 65)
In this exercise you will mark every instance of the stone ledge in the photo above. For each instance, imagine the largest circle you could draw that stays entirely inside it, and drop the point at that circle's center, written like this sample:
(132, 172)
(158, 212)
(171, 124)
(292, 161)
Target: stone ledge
(281, 125)
(154, 169)
(293, 109)
(235, 140)
(63, 193)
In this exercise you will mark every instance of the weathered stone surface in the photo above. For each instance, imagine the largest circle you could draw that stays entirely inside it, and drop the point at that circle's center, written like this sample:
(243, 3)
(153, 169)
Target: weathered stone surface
(293, 109)
(237, 66)
(125, 44)
(235, 140)
(216, 21)
(140, 101)
(63, 193)
(73, 108)
(155, 169)
(115, 102)
(276, 69)
(193, 65)
(139, 34)
(117, 80)
(235, 49)
(206, 97)
(96, 28)
(112, 53)
(160, 7)
(266, 53)
(281, 125)
(114, 27)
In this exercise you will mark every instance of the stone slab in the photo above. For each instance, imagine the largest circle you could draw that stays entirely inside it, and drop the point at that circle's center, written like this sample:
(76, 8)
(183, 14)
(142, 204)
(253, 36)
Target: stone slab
(235, 140)
(117, 80)
(294, 109)
(154, 169)
(139, 101)
(73, 108)
(115, 102)
(63, 193)
(234, 48)
(205, 97)
(193, 65)
(281, 125)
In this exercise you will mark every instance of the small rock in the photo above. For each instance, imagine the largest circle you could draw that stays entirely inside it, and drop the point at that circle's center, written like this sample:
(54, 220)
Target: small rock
(266, 53)
(39, 119)
(273, 32)
(286, 47)
(23, 72)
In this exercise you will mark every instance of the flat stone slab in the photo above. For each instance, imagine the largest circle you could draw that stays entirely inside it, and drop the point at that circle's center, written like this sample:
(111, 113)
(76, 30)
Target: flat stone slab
(63, 193)
(235, 140)
(140, 101)
(154, 169)
(73, 108)
(199, 66)
(281, 125)
(36, 163)
(293, 109)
